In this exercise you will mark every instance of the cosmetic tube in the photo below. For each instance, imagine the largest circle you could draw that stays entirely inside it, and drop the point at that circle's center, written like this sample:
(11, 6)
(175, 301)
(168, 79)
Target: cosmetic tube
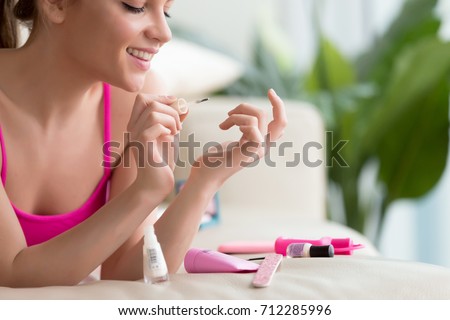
(342, 246)
(208, 261)
(155, 268)
(307, 250)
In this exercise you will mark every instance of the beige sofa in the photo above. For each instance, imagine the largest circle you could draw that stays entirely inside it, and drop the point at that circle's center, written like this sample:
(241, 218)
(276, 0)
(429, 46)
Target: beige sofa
(260, 204)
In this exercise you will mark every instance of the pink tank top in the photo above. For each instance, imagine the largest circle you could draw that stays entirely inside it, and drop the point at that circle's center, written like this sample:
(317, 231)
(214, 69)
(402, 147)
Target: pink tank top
(40, 228)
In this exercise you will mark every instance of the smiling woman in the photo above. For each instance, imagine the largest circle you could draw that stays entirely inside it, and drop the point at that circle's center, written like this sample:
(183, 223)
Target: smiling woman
(80, 82)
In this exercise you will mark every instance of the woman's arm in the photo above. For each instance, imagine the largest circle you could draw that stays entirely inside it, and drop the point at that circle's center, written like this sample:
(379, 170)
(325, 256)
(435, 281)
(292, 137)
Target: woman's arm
(179, 223)
(175, 229)
(126, 262)
(71, 256)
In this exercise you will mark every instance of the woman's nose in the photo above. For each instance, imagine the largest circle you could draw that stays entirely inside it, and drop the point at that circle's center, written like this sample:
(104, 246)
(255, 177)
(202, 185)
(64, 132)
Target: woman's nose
(159, 29)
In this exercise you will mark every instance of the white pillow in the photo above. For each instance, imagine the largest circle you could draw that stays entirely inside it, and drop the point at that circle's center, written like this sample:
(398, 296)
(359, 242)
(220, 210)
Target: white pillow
(192, 71)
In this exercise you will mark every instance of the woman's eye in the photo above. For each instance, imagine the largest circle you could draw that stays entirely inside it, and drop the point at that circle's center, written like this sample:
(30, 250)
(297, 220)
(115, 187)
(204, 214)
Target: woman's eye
(167, 14)
(133, 9)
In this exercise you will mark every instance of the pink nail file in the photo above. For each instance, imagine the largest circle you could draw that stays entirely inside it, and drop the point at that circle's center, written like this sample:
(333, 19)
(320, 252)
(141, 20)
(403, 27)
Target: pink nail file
(266, 270)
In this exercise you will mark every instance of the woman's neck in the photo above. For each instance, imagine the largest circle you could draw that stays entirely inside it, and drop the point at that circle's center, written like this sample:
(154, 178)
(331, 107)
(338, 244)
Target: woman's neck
(43, 83)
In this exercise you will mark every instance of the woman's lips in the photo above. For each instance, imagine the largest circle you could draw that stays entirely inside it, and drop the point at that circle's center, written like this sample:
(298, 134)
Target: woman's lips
(140, 58)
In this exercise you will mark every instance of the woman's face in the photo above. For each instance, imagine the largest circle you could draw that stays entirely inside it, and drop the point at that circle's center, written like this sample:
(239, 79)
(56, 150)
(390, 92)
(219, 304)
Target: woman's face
(114, 40)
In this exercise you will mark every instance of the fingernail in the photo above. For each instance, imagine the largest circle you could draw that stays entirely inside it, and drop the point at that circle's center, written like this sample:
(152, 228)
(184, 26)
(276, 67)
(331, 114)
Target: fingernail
(273, 91)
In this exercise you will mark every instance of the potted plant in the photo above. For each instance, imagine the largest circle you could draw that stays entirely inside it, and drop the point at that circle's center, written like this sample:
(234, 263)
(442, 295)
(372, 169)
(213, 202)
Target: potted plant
(390, 107)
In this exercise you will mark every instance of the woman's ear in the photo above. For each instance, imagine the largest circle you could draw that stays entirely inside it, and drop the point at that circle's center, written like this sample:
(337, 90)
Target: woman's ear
(54, 10)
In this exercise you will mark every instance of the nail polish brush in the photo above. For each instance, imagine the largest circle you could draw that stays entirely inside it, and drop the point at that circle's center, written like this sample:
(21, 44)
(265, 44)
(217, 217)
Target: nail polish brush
(182, 106)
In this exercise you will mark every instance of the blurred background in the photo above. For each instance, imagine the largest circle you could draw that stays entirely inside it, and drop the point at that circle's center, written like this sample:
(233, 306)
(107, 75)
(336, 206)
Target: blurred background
(378, 70)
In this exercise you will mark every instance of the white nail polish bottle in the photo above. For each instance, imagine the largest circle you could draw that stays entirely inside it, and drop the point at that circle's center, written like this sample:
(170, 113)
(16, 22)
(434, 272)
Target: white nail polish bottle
(155, 268)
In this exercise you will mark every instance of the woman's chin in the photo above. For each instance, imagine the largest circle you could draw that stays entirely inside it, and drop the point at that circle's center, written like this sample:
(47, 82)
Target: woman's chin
(134, 84)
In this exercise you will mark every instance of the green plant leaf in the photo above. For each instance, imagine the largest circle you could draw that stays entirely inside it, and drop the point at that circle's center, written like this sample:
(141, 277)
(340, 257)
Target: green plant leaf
(416, 21)
(331, 70)
(264, 73)
(414, 155)
(409, 130)
(417, 71)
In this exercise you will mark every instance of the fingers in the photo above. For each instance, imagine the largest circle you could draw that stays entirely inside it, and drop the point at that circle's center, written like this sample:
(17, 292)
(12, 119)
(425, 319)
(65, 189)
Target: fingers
(251, 133)
(249, 126)
(248, 109)
(181, 106)
(151, 117)
(278, 124)
(159, 104)
(184, 116)
(251, 121)
(249, 118)
(154, 132)
(238, 120)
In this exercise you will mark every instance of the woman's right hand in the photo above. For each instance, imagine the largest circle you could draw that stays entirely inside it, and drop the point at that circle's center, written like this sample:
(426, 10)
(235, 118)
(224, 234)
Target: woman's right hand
(152, 129)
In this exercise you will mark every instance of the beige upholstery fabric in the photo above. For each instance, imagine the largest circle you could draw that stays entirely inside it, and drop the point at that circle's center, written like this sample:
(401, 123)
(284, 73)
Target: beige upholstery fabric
(338, 278)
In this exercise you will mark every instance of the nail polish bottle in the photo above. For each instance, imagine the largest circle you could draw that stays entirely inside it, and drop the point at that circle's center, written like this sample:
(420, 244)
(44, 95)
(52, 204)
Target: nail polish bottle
(307, 250)
(155, 268)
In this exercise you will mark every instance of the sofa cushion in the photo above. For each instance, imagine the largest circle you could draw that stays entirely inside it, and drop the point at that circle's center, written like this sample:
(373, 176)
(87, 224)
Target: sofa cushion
(190, 70)
(358, 277)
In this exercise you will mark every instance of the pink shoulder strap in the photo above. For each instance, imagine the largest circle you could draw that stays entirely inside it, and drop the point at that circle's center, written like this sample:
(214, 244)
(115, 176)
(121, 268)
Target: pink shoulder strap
(107, 126)
(4, 161)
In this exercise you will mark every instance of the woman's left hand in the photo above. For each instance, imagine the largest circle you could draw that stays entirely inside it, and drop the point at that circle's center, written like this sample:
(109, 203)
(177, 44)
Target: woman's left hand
(220, 163)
